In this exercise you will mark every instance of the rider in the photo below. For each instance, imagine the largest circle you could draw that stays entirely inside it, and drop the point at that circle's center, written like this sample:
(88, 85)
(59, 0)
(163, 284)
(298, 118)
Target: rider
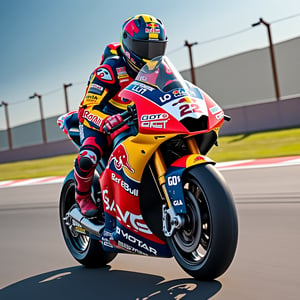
(143, 37)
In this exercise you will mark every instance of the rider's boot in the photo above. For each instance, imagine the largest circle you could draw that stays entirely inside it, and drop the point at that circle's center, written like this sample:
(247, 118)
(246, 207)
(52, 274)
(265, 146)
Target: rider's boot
(86, 204)
(83, 194)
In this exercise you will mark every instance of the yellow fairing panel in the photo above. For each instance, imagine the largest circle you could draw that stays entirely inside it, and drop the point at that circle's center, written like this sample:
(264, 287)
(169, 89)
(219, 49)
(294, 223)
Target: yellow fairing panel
(190, 160)
(140, 148)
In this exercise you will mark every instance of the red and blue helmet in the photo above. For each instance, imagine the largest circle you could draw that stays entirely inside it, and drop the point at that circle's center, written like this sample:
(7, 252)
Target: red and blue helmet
(143, 38)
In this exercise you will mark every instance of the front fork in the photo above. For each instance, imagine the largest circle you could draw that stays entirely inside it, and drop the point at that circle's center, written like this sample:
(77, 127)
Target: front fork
(171, 218)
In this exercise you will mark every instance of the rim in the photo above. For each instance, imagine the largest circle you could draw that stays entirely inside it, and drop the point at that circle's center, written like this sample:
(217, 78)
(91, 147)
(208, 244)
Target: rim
(193, 240)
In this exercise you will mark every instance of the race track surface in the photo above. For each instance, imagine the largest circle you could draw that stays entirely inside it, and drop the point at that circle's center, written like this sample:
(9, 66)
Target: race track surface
(35, 263)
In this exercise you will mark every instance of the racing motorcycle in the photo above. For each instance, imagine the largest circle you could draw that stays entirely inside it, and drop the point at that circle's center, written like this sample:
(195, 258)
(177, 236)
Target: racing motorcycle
(157, 192)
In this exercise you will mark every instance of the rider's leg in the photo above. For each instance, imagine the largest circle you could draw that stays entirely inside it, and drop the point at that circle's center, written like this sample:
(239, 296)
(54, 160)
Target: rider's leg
(84, 168)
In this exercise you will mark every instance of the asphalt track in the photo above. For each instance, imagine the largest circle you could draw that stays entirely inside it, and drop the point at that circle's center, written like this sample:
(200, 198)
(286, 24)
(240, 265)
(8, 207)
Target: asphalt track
(35, 264)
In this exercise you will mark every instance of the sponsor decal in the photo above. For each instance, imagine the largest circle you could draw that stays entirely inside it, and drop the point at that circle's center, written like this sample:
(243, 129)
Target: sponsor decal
(107, 243)
(91, 98)
(155, 120)
(141, 88)
(152, 28)
(96, 89)
(147, 87)
(109, 206)
(215, 109)
(122, 73)
(127, 54)
(124, 80)
(175, 189)
(174, 180)
(152, 117)
(198, 158)
(177, 202)
(155, 124)
(130, 248)
(120, 159)
(153, 36)
(166, 97)
(128, 218)
(92, 118)
(176, 94)
(105, 74)
(132, 239)
(125, 185)
(220, 115)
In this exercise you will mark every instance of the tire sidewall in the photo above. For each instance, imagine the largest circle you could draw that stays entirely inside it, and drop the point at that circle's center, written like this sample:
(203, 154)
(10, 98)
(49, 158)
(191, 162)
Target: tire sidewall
(93, 255)
(224, 224)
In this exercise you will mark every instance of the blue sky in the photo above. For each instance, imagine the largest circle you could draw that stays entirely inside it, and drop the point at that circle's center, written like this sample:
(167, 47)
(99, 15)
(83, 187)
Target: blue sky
(45, 44)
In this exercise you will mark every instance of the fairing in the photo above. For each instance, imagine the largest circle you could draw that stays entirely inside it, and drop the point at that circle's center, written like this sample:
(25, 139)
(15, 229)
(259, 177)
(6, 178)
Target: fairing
(172, 103)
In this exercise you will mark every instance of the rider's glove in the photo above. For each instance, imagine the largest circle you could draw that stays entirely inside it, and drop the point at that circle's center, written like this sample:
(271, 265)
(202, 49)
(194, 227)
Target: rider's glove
(112, 121)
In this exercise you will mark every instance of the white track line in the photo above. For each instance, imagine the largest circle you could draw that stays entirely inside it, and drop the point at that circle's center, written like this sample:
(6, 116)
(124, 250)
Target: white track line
(232, 165)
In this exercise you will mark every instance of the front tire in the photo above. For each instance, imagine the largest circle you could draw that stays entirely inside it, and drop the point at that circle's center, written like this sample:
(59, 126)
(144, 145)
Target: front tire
(85, 250)
(206, 244)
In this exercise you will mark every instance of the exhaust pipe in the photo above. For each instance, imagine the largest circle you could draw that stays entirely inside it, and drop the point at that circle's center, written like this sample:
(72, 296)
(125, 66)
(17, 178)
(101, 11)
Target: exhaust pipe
(86, 223)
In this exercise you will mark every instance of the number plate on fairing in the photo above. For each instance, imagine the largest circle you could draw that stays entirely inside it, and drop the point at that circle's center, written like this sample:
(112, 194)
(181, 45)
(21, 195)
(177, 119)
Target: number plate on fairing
(175, 189)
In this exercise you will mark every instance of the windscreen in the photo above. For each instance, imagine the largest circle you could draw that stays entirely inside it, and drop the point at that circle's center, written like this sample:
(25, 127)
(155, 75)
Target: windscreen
(161, 73)
(159, 82)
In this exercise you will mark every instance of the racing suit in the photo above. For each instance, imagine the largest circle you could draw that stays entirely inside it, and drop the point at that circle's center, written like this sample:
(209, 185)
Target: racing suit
(101, 100)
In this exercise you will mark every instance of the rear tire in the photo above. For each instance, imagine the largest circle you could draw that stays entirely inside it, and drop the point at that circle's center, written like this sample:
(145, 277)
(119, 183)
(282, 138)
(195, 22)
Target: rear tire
(85, 250)
(206, 244)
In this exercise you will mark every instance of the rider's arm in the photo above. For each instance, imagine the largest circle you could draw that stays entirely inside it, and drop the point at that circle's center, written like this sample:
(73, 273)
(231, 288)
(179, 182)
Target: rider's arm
(101, 88)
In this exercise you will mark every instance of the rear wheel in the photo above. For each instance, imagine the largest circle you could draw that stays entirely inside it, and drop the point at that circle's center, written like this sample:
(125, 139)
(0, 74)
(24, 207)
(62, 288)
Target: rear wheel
(84, 249)
(206, 244)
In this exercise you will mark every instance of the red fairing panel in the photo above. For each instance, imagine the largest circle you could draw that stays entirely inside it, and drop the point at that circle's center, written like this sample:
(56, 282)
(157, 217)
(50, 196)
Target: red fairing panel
(152, 117)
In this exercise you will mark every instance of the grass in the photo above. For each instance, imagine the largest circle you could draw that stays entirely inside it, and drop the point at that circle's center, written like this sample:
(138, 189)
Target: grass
(236, 147)
(258, 145)
(54, 166)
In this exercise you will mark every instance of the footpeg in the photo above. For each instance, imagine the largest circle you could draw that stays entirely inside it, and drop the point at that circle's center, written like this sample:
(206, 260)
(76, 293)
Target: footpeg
(92, 228)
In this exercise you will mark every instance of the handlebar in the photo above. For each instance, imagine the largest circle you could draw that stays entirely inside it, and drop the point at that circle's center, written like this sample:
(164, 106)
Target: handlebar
(127, 115)
(130, 113)
(227, 118)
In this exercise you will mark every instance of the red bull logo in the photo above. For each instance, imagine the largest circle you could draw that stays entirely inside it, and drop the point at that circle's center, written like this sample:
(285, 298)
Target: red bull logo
(120, 159)
(152, 28)
(197, 158)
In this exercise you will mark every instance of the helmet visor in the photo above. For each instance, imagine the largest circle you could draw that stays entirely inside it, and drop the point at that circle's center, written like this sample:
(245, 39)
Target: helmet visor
(147, 49)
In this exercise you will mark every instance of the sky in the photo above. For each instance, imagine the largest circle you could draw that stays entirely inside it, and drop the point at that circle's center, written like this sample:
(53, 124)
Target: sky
(45, 44)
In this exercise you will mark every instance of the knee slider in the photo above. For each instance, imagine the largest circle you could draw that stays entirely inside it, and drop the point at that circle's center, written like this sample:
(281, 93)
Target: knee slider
(86, 162)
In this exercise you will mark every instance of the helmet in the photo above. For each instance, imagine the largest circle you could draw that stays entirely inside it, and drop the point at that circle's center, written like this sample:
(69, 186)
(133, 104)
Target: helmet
(143, 38)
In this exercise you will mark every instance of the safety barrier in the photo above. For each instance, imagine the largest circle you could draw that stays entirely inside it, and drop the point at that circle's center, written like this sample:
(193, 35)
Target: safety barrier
(244, 120)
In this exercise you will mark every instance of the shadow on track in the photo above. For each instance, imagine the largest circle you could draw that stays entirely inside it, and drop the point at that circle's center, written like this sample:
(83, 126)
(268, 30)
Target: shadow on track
(83, 283)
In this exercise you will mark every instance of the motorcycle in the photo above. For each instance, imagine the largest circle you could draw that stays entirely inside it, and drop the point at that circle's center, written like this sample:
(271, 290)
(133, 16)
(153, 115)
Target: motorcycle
(157, 192)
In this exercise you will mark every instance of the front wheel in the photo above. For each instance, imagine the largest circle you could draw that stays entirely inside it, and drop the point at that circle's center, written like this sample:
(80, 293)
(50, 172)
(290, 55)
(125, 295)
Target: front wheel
(85, 250)
(206, 244)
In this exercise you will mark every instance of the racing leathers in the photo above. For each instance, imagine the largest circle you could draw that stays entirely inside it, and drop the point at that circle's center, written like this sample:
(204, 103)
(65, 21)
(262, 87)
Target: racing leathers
(100, 106)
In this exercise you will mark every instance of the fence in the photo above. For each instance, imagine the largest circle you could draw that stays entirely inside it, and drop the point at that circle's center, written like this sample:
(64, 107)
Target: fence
(245, 119)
